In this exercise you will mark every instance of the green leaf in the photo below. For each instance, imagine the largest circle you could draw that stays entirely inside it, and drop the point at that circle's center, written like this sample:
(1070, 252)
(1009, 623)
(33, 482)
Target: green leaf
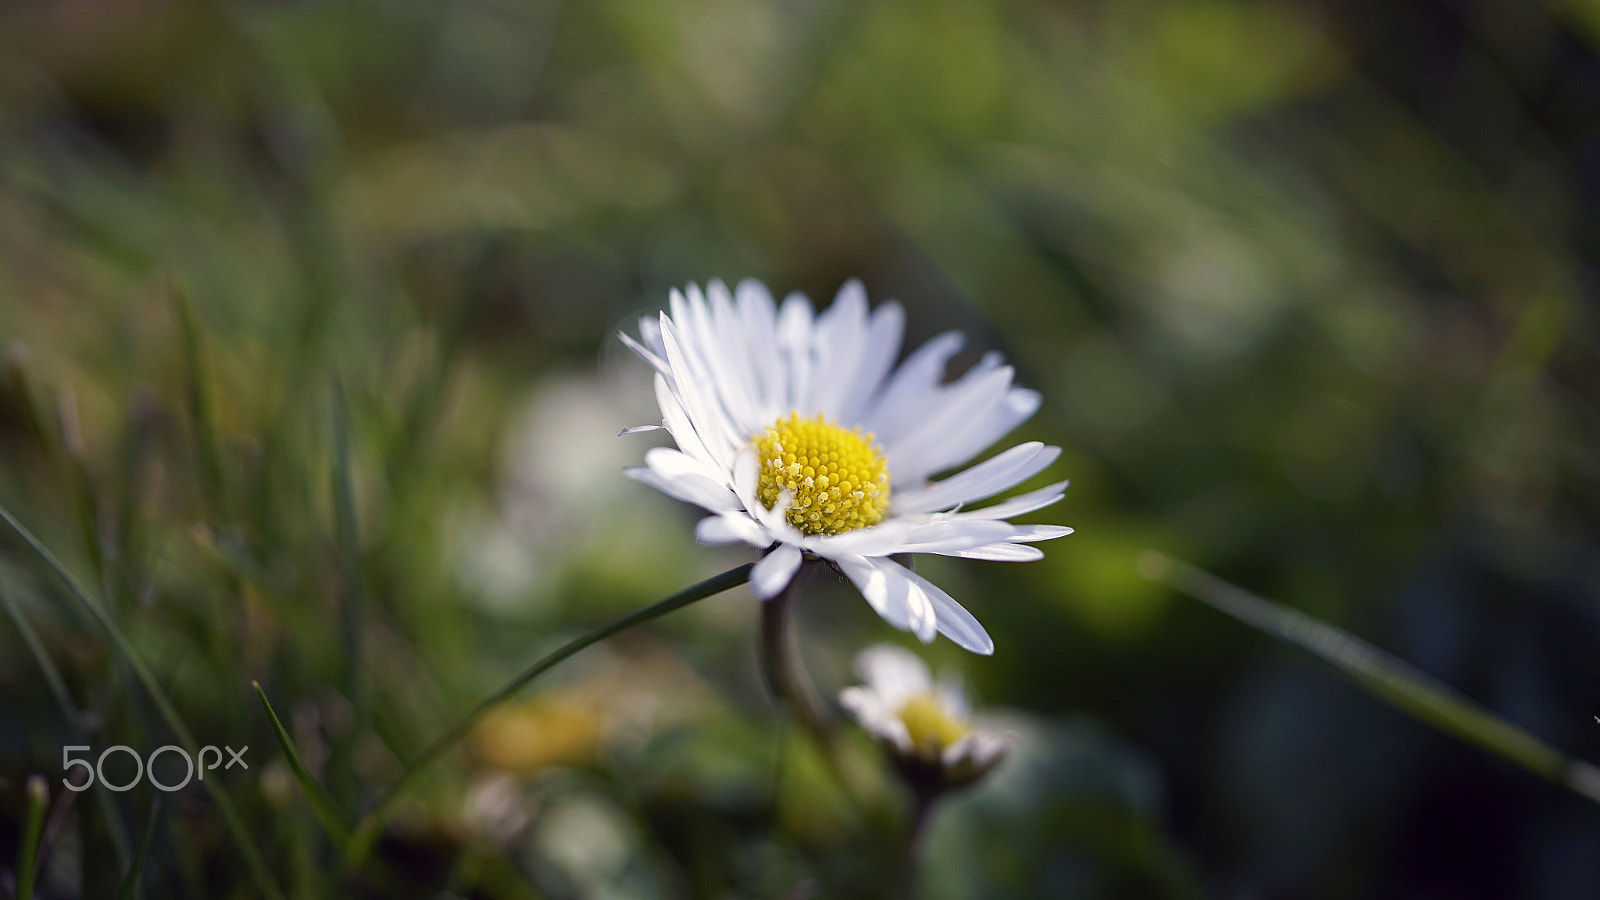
(130, 882)
(326, 810)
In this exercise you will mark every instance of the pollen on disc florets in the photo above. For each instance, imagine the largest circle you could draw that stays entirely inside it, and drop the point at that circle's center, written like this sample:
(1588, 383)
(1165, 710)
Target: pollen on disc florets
(838, 479)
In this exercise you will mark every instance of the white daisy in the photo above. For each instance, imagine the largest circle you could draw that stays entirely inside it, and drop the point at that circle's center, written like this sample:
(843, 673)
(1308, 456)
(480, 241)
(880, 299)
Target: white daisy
(802, 437)
(924, 725)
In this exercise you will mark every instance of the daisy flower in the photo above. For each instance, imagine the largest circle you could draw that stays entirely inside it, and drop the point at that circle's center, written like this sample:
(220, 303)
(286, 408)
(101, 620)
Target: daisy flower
(803, 438)
(923, 724)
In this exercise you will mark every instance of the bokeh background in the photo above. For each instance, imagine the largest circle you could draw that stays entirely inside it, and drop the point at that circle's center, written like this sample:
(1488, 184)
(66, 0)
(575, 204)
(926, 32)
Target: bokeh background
(308, 313)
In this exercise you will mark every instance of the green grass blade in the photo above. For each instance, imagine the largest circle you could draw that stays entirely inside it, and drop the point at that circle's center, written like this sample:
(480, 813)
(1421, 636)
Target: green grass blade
(130, 882)
(368, 829)
(169, 714)
(205, 436)
(69, 712)
(1388, 677)
(347, 543)
(33, 824)
(326, 810)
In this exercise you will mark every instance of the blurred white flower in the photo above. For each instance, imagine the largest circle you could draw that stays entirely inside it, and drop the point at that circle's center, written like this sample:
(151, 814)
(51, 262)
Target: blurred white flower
(924, 725)
(802, 436)
(558, 497)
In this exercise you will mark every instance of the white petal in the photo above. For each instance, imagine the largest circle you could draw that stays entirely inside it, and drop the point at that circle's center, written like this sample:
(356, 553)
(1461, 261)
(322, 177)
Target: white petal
(1012, 548)
(953, 697)
(678, 308)
(1016, 506)
(839, 337)
(899, 405)
(889, 597)
(1002, 551)
(753, 345)
(672, 463)
(1039, 532)
(795, 348)
(725, 350)
(775, 570)
(984, 429)
(689, 488)
(934, 396)
(691, 320)
(676, 419)
(639, 429)
(878, 353)
(694, 388)
(776, 521)
(876, 540)
(914, 454)
(746, 478)
(892, 593)
(901, 536)
(877, 717)
(979, 748)
(655, 361)
(650, 336)
(946, 536)
(982, 481)
(955, 622)
(760, 318)
(894, 673)
(731, 528)
(924, 620)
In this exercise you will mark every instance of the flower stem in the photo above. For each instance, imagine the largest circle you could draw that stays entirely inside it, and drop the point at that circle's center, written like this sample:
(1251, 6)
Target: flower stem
(785, 672)
(923, 798)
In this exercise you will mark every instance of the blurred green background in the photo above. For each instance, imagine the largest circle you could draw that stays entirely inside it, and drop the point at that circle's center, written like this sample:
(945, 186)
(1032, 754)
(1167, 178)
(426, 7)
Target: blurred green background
(309, 307)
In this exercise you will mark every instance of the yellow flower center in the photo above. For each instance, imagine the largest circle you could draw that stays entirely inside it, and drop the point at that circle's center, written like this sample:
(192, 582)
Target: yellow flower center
(931, 727)
(839, 480)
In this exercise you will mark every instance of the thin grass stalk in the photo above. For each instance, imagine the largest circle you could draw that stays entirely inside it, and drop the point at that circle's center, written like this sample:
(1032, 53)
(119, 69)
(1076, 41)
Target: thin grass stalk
(205, 433)
(1385, 676)
(130, 882)
(322, 805)
(32, 825)
(347, 546)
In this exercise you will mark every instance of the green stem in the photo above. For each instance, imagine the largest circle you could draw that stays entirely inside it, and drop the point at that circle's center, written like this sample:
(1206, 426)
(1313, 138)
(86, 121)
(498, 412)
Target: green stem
(1389, 678)
(786, 674)
(923, 798)
(369, 828)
